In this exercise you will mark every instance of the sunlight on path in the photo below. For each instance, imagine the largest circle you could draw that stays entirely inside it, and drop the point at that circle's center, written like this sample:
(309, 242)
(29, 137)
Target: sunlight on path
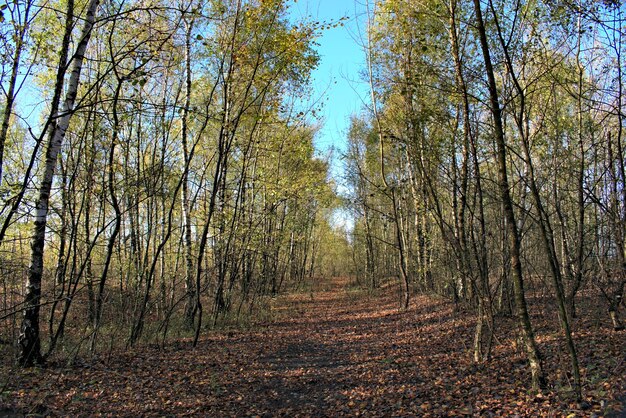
(336, 351)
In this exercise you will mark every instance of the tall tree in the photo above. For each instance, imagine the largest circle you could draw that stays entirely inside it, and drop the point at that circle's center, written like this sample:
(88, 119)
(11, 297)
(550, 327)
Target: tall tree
(521, 310)
(29, 339)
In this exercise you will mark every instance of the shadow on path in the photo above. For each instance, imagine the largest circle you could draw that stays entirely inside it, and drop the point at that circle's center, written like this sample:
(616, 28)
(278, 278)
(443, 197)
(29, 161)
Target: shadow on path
(335, 352)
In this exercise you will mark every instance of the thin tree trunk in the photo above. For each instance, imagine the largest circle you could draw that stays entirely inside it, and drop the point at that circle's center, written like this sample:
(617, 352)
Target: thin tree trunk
(545, 225)
(399, 238)
(29, 340)
(99, 299)
(190, 308)
(10, 95)
(521, 310)
(470, 143)
(51, 123)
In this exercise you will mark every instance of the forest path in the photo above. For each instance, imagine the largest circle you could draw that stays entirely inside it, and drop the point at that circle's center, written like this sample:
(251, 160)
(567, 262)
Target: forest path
(335, 351)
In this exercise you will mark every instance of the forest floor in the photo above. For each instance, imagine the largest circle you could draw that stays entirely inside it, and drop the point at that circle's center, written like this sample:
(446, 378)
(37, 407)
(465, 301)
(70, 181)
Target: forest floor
(336, 351)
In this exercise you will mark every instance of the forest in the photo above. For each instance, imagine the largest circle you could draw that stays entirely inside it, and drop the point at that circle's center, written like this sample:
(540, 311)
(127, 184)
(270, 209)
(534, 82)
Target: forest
(168, 223)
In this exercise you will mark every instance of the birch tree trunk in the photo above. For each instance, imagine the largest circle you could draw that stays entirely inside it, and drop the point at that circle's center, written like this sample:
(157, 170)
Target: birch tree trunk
(28, 340)
(190, 309)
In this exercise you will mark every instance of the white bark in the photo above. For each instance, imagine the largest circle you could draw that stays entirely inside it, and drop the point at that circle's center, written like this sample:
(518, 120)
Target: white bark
(28, 340)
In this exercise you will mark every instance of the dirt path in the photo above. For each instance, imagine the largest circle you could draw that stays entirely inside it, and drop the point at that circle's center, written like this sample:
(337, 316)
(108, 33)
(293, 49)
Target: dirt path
(327, 358)
(334, 352)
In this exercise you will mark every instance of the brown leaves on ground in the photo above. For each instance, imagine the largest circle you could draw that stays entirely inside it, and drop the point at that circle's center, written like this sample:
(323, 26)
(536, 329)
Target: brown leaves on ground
(335, 352)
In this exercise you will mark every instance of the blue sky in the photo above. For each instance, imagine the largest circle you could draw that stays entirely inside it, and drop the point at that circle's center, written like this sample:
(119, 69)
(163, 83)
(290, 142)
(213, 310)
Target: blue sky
(337, 77)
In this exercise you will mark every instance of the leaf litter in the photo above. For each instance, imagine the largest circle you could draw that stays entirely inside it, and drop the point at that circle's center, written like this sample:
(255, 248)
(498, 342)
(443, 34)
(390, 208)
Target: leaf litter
(336, 352)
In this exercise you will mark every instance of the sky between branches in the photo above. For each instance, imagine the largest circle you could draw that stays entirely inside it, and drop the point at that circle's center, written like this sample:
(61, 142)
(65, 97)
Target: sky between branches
(337, 78)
